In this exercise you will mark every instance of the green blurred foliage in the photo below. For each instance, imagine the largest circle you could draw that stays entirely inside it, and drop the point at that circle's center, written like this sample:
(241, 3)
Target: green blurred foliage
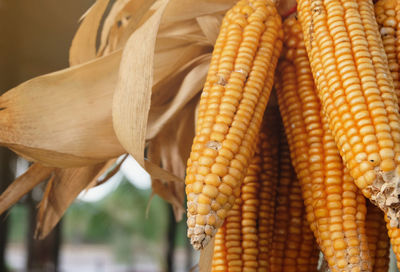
(18, 223)
(123, 212)
(119, 220)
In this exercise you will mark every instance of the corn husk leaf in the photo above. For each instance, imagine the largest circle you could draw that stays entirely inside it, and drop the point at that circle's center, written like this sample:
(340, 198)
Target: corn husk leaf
(61, 192)
(190, 82)
(113, 19)
(109, 169)
(157, 172)
(181, 10)
(35, 174)
(61, 119)
(83, 49)
(171, 149)
(124, 18)
(210, 25)
(83, 46)
(163, 189)
(131, 103)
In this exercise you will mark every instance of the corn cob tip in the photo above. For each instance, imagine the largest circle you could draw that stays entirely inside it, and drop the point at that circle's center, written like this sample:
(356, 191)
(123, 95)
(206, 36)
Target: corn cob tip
(200, 235)
(385, 193)
(200, 241)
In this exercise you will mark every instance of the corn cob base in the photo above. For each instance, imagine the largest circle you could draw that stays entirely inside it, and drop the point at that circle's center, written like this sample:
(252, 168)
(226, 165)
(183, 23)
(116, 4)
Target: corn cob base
(385, 193)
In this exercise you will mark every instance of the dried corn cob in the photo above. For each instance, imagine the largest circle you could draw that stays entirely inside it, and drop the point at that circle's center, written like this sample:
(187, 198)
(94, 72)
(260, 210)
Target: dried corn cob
(293, 243)
(388, 18)
(389, 28)
(378, 240)
(335, 207)
(247, 232)
(250, 198)
(356, 89)
(230, 113)
(269, 145)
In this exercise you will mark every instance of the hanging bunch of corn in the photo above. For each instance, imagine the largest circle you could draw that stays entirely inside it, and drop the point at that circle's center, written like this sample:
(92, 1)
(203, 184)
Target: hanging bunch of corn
(335, 208)
(231, 108)
(353, 80)
(262, 198)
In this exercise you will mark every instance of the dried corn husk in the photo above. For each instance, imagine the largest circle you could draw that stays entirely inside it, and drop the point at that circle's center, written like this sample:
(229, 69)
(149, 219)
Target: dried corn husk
(61, 191)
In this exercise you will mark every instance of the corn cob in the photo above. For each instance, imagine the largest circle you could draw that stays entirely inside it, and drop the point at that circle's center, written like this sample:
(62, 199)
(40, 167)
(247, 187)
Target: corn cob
(378, 240)
(335, 207)
(269, 146)
(247, 232)
(356, 89)
(231, 108)
(389, 28)
(251, 202)
(388, 18)
(293, 244)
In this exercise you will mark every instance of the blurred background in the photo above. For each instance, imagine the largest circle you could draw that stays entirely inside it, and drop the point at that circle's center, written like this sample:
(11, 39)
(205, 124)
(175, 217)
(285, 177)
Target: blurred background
(111, 227)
